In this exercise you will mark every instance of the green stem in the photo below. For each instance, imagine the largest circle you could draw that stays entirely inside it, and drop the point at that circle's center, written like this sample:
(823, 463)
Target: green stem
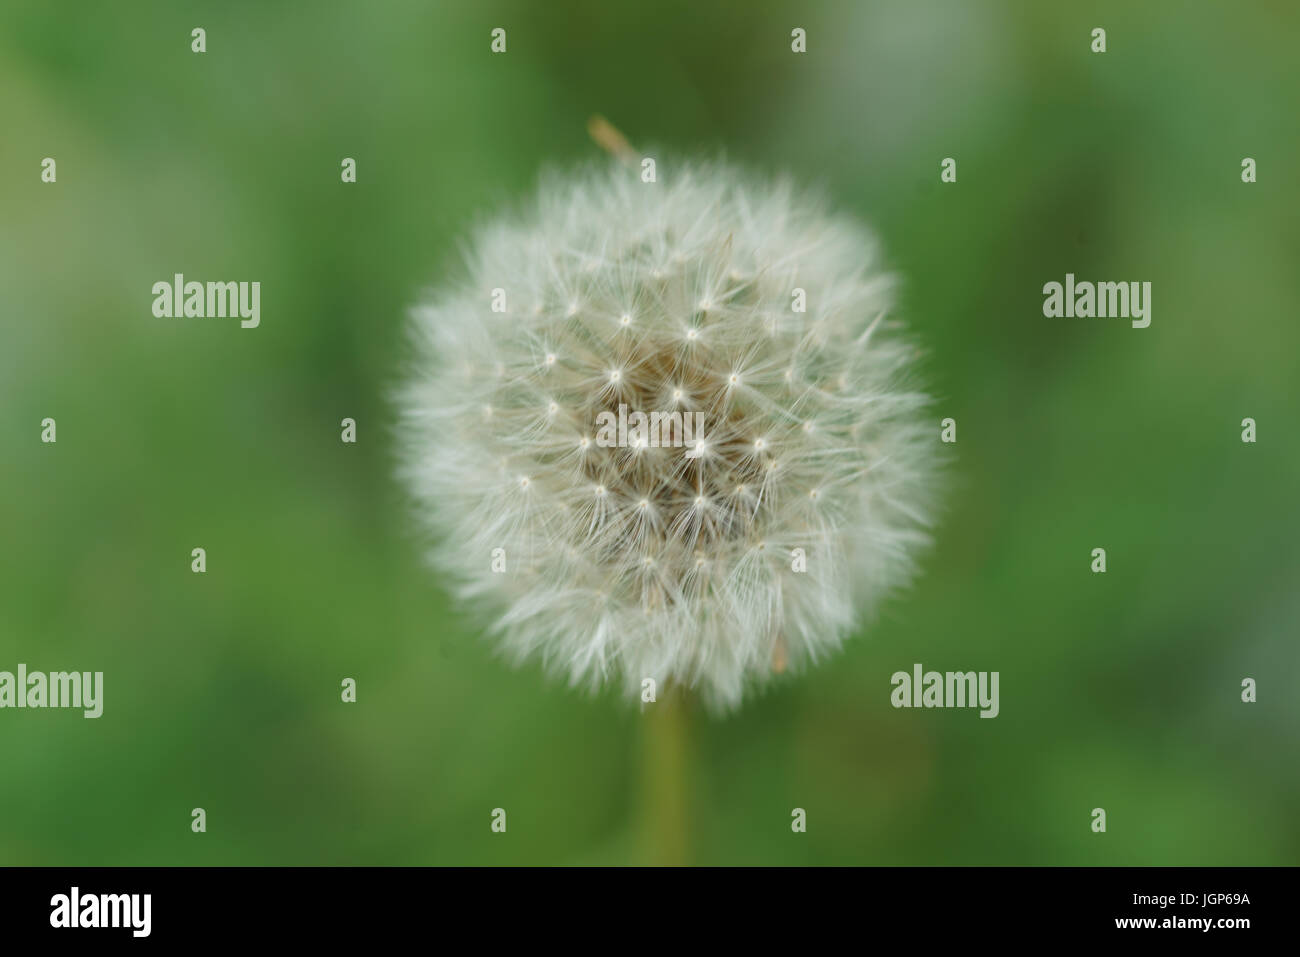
(666, 785)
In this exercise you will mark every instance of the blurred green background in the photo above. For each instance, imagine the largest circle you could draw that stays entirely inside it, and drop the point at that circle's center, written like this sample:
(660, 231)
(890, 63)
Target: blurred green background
(1119, 691)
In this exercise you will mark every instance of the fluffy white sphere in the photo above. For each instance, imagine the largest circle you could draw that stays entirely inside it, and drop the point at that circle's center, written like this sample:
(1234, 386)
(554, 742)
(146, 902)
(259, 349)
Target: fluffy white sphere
(712, 565)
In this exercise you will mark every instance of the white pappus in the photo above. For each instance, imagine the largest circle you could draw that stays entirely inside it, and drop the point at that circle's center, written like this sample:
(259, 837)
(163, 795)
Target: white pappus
(736, 300)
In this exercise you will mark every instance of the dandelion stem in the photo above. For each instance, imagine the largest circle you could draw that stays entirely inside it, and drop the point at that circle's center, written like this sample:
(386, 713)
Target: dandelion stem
(608, 138)
(666, 782)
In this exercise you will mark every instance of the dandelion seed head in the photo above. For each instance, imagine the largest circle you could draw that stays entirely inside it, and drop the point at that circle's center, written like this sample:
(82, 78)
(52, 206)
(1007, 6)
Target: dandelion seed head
(626, 563)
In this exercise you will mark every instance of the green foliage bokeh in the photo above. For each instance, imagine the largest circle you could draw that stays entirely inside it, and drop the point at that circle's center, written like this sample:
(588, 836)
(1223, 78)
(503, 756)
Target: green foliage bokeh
(1119, 691)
